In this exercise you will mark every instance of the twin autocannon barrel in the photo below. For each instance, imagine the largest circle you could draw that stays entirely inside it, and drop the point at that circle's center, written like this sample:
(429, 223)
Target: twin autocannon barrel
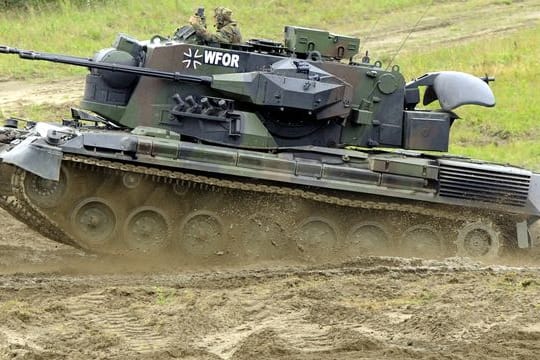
(89, 63)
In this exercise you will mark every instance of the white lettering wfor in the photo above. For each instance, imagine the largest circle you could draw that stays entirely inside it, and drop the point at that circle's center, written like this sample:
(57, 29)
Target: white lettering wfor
(223, 59)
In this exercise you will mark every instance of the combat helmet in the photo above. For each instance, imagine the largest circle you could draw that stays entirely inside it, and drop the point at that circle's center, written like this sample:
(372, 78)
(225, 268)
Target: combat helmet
(222, 15)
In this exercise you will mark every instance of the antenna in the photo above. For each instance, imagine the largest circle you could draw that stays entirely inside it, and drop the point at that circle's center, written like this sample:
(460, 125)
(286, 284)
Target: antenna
(368, 36)
(408, 35)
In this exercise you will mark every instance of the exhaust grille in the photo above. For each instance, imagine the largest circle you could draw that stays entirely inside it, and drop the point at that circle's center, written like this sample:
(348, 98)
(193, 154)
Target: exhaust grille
(484, 183)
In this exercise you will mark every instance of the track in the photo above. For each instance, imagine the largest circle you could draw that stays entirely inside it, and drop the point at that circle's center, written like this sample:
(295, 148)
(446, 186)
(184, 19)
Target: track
(123, 209)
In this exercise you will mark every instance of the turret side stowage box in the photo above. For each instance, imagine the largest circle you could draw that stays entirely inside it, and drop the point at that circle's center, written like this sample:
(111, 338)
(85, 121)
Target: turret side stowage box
(304, 41)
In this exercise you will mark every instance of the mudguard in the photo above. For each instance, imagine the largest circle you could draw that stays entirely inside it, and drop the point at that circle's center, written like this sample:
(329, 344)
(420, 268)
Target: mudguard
(37, 158)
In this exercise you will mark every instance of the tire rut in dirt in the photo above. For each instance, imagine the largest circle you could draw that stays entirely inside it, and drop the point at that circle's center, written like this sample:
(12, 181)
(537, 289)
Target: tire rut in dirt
(90, 309)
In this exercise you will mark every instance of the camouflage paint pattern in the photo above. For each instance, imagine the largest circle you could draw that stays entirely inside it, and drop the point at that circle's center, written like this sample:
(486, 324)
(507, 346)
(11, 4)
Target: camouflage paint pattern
(289, 96)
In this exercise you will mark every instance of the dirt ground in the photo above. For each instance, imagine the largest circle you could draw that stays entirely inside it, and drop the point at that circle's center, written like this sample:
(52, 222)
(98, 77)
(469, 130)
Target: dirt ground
(59, 303)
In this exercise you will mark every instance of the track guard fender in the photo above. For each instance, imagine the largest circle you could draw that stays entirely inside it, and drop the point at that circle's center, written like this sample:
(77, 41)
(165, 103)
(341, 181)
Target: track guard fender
(38, 158)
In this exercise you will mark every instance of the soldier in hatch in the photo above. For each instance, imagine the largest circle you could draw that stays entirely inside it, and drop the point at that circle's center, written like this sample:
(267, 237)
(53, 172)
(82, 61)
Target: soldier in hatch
(227, 29)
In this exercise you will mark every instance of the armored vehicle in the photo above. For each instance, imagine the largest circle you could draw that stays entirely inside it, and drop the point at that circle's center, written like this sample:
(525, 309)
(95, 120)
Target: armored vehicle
(261, 150)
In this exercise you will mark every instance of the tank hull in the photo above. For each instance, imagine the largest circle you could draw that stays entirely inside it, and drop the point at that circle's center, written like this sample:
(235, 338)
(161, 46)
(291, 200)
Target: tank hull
(128, 193)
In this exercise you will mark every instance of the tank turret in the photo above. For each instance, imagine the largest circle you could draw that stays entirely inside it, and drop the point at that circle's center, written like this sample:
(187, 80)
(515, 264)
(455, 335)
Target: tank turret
(317, 99)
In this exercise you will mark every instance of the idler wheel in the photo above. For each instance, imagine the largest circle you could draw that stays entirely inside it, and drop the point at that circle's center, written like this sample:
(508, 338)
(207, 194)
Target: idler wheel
(368, 238)
(93, 222)
(43, 192)
(422, 241)
(146, 229)
(202, 234)
(316, 237)
(478, 240)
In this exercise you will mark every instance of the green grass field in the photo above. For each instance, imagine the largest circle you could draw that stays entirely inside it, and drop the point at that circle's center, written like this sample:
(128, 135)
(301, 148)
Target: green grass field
(459, 35)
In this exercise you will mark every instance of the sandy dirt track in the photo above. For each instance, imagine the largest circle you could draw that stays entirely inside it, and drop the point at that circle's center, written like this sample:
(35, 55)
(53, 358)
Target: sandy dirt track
(58, 303)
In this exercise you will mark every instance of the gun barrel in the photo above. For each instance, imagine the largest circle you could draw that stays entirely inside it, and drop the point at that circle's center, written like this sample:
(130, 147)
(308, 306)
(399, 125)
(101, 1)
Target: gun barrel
(89, 63)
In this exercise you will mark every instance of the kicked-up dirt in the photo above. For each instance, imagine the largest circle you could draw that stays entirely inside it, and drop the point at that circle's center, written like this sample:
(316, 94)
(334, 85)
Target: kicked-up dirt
(59, 303)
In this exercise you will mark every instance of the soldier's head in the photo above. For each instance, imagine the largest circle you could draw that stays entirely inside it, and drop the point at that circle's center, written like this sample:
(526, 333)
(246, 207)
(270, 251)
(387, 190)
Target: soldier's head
(222, 15)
